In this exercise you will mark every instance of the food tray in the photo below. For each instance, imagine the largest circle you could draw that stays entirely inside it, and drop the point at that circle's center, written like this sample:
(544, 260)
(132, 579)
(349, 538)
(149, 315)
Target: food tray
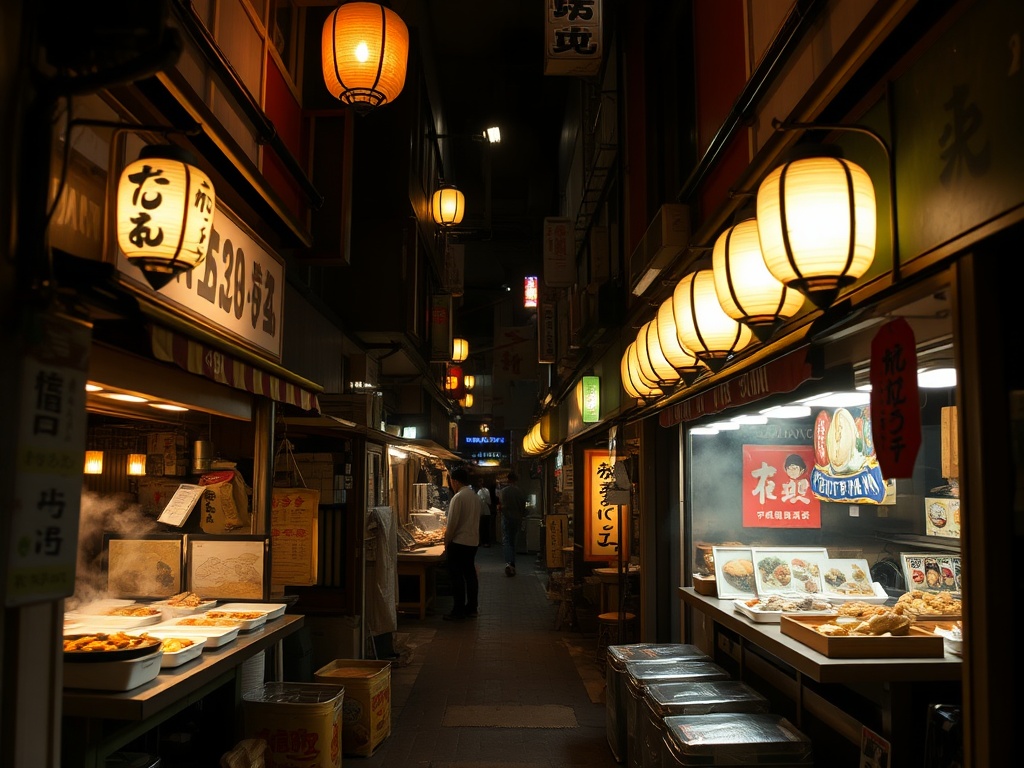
(168, 611)
(113, 675)
(177, 658)
(141, 645)
(877, 598)
(273, 610)
(246, 620)
(111, 622)
(919, 642)
(215, 636)
(766, 617)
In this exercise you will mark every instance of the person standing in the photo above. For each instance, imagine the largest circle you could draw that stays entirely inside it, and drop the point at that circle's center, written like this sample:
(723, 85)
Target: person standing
(486, 526)
(512, 504)
(461, 539)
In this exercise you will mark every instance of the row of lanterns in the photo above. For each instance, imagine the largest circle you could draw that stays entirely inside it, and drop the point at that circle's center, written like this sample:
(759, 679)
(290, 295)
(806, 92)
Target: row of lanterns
(814, 234)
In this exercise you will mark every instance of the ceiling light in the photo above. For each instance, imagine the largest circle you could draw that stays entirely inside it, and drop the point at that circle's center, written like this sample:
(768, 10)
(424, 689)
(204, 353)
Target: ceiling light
(749, 419)
(787, 412)
(703, 431)
(936, 378)
(168, 407)
(364, 50)
(124, 397)
(90, 387)
(725, 426)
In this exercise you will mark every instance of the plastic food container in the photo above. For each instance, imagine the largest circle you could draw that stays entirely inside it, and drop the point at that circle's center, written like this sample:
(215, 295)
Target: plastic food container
(615, 683)
(728, 739)
(662, 700)
(367, 712)
(114, 675)
(641, 674)
(301, 723)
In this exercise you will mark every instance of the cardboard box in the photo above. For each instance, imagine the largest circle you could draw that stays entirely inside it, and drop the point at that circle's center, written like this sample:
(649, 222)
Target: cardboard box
(367, 720)
(301, 723)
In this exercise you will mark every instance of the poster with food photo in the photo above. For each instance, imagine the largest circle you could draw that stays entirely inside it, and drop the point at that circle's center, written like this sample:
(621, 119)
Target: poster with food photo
(789, 570)
(931, 572)
(848, 579)
(734, 572)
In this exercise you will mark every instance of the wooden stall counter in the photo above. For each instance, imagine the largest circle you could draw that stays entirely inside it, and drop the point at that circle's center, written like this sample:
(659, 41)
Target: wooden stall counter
(419, 564)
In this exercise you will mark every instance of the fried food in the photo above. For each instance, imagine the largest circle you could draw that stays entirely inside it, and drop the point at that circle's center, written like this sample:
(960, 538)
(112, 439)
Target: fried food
(186, 600)
(175, 644)
(740, 574)
(101, 641)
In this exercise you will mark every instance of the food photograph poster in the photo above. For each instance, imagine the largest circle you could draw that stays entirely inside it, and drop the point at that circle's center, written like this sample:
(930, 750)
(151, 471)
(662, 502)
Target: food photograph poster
(777, 487)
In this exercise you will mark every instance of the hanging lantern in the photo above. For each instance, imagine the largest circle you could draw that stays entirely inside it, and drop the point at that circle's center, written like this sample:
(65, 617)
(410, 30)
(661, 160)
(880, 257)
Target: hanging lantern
(460, 350)
(453, 383)
(633, 381)
(816, 223)
(469, 381)
(447, 206)
(702, 324)
(467, 401)
(652, 360)
(165, 209)
(678, 356)
(747, 291)
(93, 463)
(364, 50)
(136, 464)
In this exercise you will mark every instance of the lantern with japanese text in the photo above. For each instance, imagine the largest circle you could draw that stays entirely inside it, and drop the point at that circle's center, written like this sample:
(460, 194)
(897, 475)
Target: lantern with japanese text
(165, 211)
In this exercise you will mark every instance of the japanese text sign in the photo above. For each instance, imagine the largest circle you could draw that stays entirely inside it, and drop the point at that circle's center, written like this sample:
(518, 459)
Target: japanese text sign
(777, 487)
(605, 522)
(895, 406)
(572, 37)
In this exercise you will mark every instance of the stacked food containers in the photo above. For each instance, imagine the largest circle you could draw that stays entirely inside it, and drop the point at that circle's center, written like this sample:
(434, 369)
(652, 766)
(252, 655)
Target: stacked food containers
(662, 700)
(641, 674)
(730, 740)
(615, 683)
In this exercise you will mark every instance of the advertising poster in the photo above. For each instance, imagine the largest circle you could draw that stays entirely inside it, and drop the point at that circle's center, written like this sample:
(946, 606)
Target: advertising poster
(777, 487)
(845, 466)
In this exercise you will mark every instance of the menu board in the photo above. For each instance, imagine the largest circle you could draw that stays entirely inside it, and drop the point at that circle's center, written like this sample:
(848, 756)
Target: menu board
(181, 504)
(294, 514)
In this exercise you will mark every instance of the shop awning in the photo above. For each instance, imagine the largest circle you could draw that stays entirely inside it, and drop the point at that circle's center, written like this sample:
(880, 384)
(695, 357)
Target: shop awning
(268, 380)
(429, 448)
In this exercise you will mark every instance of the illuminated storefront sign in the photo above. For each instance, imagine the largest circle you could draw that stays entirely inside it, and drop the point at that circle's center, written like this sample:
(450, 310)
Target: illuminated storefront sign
(606, 510)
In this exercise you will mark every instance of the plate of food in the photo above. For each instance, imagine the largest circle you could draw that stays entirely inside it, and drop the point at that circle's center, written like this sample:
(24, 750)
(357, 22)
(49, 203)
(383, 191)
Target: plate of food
(273, 610)
(770, 609)
(183, 604)
(107, 646)
(215, 635)
(120, 617)
(734, 572)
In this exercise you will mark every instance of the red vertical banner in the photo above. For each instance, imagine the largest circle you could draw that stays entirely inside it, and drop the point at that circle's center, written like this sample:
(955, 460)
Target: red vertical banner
(777, 487)
(895, 405)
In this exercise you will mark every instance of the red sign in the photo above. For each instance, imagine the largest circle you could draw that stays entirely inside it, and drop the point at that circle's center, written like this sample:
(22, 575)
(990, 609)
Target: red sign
(895, 406)
(777, 487)
(783, 374)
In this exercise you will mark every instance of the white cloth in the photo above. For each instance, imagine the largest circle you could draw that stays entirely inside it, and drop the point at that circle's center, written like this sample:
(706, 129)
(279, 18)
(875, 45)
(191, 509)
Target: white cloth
(485, 497)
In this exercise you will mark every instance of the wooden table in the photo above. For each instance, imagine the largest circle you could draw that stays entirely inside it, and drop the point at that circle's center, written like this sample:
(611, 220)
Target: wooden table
(98, 723)
(609, 578)
(419, 564)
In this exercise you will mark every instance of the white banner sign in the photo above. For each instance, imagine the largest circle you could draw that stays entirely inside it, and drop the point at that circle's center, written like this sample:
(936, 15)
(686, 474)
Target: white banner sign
(239, 287)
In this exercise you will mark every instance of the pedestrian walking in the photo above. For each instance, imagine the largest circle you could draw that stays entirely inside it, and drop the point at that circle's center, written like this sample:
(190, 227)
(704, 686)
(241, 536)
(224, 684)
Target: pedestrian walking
(512, 505)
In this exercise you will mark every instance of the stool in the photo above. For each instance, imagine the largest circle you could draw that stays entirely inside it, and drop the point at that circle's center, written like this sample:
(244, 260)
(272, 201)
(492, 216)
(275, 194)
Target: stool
(608, 632)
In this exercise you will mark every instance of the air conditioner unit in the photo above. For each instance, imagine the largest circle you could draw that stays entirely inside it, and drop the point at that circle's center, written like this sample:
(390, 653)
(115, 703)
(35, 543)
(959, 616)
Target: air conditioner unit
(666, 238)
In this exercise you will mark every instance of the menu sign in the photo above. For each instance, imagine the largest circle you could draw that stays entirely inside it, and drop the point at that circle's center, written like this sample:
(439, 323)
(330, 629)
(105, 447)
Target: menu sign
(181, 504)
(777, 487)
(606, 512)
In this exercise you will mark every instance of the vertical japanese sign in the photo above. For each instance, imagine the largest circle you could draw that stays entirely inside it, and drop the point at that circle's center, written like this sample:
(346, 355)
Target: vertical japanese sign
(777, 487)
(605, 521)
(895, 406)
(547, 341)
(559, 253)
(440, 328)
(293, 530)
(572, 37)
(51, 424)
(514, 357)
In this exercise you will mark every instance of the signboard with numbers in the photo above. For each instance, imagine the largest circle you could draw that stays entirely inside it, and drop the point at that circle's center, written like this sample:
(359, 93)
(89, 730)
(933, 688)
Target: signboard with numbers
(51, 423)
(238, 288)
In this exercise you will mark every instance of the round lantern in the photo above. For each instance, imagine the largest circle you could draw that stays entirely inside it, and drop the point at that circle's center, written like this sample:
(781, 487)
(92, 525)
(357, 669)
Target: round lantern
(701, 323)
(653, 363)
(633, 381)
(469, 381)
(447, 206)
(816, 224)
(678, 356)
(460, 350)
(747, 291)
(364, 50)
(165, 209)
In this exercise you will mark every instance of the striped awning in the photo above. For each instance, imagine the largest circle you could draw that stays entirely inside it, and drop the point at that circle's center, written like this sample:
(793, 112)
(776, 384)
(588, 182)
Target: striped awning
(217, 365)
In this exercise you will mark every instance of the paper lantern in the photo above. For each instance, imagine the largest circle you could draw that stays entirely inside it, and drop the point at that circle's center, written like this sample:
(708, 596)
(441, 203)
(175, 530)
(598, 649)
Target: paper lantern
(460, 350)
(701, 323)
(447, 206)
(678, 356)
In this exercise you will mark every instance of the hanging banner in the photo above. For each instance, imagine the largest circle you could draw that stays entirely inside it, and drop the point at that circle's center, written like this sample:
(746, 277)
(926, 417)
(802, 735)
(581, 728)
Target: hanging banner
(845, 466)
(546, 340)
(572, 37)
(895, 405)
(293, 531)
(605, 513)
(777, 487)
(559, 253)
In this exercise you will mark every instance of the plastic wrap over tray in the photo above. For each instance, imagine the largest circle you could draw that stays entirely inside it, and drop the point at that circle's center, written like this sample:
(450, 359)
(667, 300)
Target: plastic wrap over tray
(735, 739)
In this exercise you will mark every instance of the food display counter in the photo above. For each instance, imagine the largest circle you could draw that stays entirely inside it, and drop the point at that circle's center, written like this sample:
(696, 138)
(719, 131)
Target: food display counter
(888, 695)
(99, 723)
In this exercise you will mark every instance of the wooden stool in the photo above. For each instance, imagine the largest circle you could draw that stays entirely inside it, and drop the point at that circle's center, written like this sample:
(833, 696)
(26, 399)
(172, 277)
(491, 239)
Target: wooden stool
(608, 632)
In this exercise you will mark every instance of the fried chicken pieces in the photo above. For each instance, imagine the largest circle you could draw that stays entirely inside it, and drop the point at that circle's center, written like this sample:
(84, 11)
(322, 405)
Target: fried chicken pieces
(875, 620)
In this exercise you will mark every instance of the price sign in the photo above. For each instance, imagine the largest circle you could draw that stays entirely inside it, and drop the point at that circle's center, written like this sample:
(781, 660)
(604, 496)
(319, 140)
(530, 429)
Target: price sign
(181, 505)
